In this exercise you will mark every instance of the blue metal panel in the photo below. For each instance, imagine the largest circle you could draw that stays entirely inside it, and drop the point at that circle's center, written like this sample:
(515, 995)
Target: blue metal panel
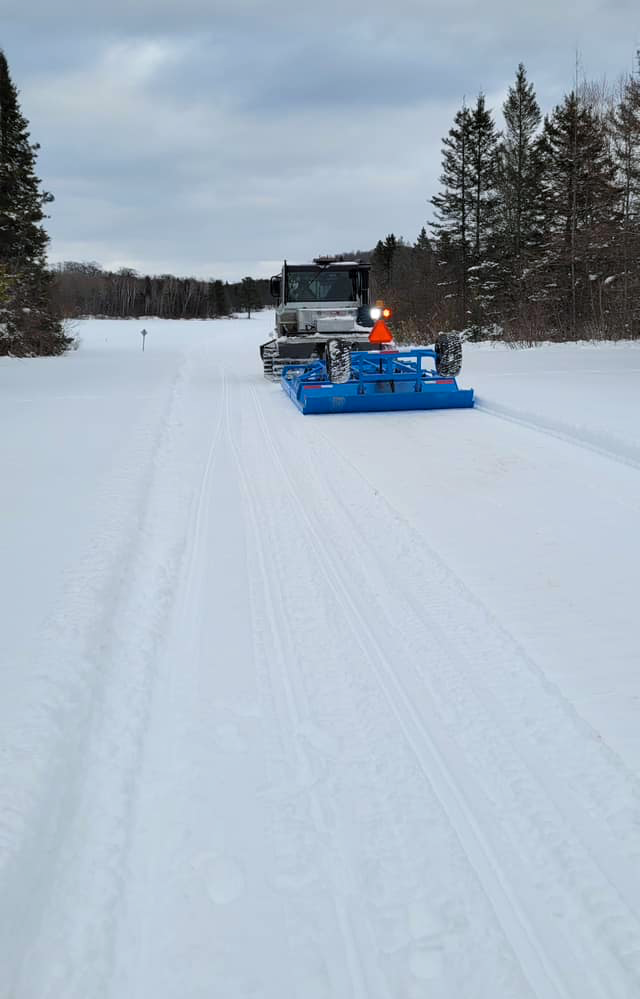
(380, 382)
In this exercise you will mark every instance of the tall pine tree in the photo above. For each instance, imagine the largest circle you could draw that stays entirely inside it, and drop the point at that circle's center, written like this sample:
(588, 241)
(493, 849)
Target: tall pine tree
(625, 134)
(519, 182)
(221, 299)
(453, 208)
(422, 275)
(27, 324)
(483, 152)
(249, 295)
(581, 201)
(520, 170)
(482, 160)
(383, 261)
(466, 211)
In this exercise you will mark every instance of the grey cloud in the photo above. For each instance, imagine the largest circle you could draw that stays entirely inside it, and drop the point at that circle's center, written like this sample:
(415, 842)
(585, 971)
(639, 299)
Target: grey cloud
(190, 136)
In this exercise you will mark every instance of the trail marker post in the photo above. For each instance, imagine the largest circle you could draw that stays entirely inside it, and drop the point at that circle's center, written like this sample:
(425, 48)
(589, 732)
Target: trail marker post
(143, 334)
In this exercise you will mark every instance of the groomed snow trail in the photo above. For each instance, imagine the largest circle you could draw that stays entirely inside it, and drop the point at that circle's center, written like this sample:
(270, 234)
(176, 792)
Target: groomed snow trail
(276, 740)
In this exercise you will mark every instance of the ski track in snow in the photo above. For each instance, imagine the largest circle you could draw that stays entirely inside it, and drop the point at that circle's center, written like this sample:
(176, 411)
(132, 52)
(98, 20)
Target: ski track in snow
(627, 453)
(275, 746)
(84, 731)
(539, 946)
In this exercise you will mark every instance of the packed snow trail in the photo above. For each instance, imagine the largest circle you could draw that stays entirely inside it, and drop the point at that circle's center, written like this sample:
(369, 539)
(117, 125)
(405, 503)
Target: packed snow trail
(281, 735)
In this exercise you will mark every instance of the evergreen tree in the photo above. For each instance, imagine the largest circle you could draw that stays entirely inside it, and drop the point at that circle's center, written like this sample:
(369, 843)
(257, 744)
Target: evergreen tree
(422, 244)
(581, 202)
(625, 134)
(422, 274)
(520, 171)
(382, 261)
(221, 299)
(453, 208)
(27, 323)
(482, 160)
(483, 148)
(249, 295)
(519, 184)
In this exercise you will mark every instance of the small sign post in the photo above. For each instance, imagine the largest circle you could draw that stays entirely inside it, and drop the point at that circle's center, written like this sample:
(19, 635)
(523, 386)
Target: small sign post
(143, 334)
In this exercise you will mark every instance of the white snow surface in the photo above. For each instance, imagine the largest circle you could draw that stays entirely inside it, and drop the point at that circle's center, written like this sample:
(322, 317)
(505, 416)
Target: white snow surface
(317, 707)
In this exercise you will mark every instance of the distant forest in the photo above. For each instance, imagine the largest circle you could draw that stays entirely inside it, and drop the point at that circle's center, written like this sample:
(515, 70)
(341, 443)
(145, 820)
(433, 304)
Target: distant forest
(84, 289)
(536, 231)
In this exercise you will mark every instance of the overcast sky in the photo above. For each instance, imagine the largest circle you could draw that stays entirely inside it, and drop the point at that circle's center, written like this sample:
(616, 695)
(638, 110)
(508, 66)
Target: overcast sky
(216, 138)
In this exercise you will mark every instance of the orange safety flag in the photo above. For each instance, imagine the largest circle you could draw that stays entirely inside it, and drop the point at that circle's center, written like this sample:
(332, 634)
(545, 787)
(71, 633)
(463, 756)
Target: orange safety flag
(380, 333)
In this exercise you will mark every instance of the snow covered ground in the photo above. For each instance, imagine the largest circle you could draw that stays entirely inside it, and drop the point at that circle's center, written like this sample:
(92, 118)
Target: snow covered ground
(317, 707)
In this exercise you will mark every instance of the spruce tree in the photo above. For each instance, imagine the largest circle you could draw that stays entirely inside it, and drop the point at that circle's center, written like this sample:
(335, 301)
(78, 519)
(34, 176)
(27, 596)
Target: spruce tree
(221, 299)
(27, 324)
(422, 277)
(520, 170)
(249, 295)
(383, 260)
(422, 243)
(519, 184)
(453, 208)
(389, 253)
(625, 134)
(581, 202)
(483, 146)
(482, 160)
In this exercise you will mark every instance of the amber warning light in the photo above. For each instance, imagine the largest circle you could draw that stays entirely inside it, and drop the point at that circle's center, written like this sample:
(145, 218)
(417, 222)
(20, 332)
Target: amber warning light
(380, 311)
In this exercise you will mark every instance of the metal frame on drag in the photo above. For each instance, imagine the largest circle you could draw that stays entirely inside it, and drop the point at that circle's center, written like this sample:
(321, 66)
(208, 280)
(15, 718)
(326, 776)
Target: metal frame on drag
(380, 381)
